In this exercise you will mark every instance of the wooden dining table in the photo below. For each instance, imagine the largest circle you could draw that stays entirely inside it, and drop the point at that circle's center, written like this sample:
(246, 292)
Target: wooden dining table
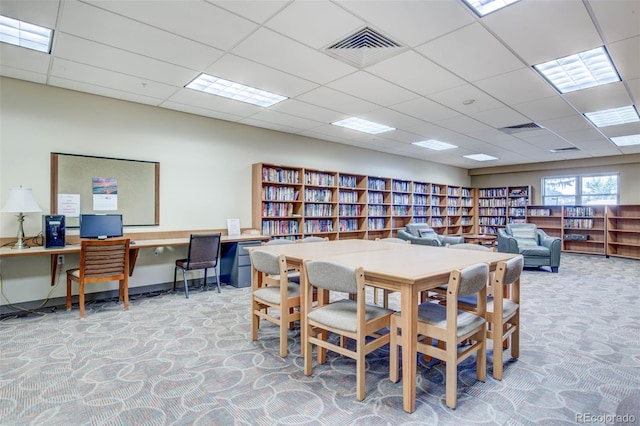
(405, 268)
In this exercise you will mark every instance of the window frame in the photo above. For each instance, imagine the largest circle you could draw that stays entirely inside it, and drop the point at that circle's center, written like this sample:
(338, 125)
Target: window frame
(578, 195)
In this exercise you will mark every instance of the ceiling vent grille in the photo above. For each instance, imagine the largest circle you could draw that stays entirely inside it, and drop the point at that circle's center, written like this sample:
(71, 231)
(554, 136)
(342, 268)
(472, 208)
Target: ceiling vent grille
(520, 128)
(365, 47)
(571, 148)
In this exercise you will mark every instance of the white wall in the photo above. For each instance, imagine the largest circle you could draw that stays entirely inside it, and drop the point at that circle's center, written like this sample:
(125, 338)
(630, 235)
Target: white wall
(205, 168)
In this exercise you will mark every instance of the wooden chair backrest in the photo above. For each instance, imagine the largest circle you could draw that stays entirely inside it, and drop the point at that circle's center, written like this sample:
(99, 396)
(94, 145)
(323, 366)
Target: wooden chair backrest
(104, 260)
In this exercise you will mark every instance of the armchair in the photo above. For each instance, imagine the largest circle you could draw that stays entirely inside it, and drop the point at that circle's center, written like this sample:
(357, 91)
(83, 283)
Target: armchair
(422, 233)
(537, 248)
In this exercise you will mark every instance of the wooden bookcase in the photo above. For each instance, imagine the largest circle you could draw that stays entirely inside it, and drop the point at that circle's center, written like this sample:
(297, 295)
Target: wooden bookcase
(501, 205)
(295, 202)
(587, 222)
(547, 218)
(352, 207)
(623, 231)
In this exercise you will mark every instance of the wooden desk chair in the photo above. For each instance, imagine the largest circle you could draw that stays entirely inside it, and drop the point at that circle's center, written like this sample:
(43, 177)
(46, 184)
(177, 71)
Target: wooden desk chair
(292, 273)
(284, 297)
(347, 318)
(503, 319)
(204, 253)
(386, 293)
(450, 327)
(312, 239)
(101, 261)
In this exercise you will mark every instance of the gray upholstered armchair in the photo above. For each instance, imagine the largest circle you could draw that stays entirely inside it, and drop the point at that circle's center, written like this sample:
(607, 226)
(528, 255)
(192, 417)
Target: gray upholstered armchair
(422, 233)
(537, 248)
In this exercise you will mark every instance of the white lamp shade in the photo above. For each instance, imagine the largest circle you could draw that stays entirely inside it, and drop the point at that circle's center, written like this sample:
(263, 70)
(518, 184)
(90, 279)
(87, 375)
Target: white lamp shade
(21, 200)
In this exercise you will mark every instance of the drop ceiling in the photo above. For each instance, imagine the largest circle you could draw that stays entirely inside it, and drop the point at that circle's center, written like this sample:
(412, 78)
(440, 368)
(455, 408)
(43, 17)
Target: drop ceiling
(456, 77)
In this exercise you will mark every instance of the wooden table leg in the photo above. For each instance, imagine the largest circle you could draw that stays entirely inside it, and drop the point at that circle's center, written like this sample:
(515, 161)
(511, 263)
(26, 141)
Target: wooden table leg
(408, 320)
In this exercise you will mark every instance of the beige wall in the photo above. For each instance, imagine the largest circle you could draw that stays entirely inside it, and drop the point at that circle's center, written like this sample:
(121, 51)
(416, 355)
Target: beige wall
(628, 166)
(205, 168)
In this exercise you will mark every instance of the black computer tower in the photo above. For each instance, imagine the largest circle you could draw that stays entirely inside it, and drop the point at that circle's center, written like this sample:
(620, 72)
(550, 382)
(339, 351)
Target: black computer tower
(53, 230)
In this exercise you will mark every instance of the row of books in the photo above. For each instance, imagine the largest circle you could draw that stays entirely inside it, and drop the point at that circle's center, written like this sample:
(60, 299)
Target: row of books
(277, 227)
(280, 193)
(277, 209)
(318, 225)
(318, 195)
(348, 181)
(578, 223)
(377, 184)
(318, 210)
(490, 220)
(401, 186)
(492, 202)
(348, 225)
(272, 174)
(579, 211)
(492, 211)
(348, 196)
(350, 209)
(320, 179)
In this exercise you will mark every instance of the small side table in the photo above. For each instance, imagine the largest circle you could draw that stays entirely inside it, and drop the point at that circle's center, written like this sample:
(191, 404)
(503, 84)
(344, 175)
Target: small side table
(482, 239)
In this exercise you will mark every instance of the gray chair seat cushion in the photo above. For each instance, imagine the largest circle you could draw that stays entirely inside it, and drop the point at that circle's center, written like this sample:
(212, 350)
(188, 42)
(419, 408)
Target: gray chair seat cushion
(435, 314)
(508, 306)
(342, 314)
(535, 251)
(272, 294)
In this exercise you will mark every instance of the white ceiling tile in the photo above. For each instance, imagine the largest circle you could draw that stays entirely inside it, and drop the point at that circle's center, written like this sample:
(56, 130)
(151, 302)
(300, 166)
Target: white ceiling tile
(522, 85)
(306, 22)
(612, 95)
(626, 57)
(241, 70)
(425, 109)
(478, 54)
(24, 59)
(634, 86)
(276, 117)
(201, 21)
(411, 22)
(276, 51)
(455, 98)
(371, 88)
(539, 31)
(337, 101)
(109, 92)
(91, 23)
(118, 82)
(39, 12)
(191, 109)
(255, 10)
(621, 129)
(25, 75)
(306, 110)
(213, 102)
(108, 58)
(619, 19)
(545, 109)
(463, 124)
(500, 117)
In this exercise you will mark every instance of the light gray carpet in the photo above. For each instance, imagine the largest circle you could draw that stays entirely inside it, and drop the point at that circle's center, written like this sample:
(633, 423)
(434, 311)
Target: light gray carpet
(173, 361)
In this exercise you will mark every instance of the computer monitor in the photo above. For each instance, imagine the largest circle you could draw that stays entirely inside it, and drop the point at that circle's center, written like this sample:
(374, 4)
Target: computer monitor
(100, 226)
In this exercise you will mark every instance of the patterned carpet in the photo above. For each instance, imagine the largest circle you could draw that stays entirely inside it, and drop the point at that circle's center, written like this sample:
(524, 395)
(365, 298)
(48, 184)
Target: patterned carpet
(173, 361)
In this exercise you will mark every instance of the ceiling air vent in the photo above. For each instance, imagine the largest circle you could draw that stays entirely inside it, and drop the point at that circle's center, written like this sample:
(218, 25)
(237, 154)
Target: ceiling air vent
(520, 128)
(571, 148)
(364, 48)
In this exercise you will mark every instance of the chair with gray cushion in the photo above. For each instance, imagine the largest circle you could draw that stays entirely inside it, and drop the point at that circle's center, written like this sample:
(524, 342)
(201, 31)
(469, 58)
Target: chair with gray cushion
(422, 233)
(450, 327)
(312, 239)
(537, 248)
(283, 297)
(353, 319)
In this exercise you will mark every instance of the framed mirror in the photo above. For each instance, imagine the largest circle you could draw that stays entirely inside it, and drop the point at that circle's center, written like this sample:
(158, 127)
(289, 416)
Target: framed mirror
(85, 184)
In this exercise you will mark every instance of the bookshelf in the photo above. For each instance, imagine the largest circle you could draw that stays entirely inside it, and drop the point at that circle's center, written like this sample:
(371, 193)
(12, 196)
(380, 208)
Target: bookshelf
(501, 205)
(467, 210)
(401, 203)
(420, 202)
(320, 203)
(277, 200)
(547, 218)
(352, 207)
(623, 231)
(583, 229)
(378, 207)
(518, 198)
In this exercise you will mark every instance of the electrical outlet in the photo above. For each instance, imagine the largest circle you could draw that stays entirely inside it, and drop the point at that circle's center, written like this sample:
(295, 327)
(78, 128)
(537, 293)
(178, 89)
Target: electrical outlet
(61, 259)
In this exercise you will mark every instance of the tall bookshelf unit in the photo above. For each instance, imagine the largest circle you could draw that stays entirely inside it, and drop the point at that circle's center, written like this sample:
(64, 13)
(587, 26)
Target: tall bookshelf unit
(501, 205)
(587, 222)
(352, 207)
(378, 207)
(295, 202)
(277, 201)
(623, 231)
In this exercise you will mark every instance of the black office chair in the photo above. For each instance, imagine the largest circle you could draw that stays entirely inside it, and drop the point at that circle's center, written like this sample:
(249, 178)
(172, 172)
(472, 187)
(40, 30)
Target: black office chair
(204, 253)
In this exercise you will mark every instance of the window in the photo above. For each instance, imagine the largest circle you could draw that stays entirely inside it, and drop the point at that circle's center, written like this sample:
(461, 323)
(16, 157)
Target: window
(580, 190)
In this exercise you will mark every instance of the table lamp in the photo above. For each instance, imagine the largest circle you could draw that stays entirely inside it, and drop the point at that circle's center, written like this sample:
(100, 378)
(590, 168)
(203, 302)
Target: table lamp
(21, 201)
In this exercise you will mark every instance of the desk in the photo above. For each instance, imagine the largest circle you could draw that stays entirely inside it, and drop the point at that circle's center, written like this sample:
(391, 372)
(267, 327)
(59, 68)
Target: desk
(407, 268)
(133, 249)
(480, 239)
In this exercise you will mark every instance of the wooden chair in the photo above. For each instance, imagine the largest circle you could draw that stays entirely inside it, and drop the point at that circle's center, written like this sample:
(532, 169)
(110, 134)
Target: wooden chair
(101, 261)
(386, 293)
(312, 239)
(347, 318)
(284, 297)
(204, 253)
(450, 327)
(293, 274)
(503, 319)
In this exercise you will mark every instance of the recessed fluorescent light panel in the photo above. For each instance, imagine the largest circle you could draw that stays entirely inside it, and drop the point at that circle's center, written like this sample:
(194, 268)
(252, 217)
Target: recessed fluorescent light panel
(24, 34)
(483, 7)
(611, 117)
(435, 145)
(363, 125)
(626, 140)
(221, 87)
(480, 157)
(579, 71)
